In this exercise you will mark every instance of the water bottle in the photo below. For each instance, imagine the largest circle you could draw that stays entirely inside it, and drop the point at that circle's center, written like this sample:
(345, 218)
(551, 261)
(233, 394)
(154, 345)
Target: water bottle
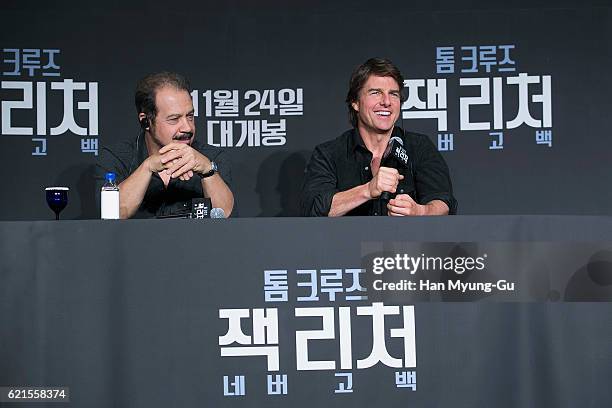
(109, 198)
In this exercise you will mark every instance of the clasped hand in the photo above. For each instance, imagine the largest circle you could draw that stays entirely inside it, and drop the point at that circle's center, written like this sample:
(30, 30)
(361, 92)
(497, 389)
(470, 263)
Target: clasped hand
(403, 205)
(387, 179)
(179, 160)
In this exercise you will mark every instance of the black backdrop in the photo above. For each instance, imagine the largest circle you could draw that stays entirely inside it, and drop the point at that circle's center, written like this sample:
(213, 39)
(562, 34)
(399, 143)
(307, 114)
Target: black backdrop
(241, 45)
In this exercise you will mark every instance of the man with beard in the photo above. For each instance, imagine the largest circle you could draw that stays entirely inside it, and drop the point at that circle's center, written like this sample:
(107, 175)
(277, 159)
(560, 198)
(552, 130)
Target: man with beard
(166, 167)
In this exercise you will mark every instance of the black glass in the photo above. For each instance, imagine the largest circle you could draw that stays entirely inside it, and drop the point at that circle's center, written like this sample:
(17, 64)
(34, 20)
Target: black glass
(57, 199)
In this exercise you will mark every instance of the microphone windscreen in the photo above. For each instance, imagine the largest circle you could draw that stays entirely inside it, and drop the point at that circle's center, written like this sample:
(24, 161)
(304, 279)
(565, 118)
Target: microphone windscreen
(217, 213)
(394, 141)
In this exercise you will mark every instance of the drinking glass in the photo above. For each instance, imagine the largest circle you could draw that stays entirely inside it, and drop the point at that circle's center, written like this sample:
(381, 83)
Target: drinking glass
(57, 199)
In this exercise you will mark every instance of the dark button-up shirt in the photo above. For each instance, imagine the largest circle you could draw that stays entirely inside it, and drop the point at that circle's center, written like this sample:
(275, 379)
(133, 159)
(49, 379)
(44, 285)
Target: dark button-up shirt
(345, 162)
(159, 201)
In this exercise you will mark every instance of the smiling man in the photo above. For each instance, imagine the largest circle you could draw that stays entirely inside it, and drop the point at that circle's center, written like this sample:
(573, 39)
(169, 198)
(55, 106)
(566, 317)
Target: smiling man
(166, 167)
(347, 176)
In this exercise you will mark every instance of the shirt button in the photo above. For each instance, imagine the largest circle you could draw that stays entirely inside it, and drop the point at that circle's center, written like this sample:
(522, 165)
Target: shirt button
(366, 168)
(401, 190)
(375, 213)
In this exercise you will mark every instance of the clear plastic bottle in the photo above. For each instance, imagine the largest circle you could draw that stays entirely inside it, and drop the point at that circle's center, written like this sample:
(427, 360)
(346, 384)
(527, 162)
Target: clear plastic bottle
(109, 198)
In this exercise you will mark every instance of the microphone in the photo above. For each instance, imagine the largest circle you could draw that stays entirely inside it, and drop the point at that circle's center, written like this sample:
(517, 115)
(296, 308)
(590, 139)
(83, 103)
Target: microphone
(217, 213)
(395, 156)
(200, 208)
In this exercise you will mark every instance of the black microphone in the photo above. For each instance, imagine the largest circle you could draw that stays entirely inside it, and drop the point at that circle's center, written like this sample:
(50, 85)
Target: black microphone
(200, 208)
(395, 156)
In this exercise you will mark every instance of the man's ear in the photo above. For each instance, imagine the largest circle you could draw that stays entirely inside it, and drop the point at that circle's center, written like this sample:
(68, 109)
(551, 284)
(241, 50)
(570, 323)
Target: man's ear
(144, 121)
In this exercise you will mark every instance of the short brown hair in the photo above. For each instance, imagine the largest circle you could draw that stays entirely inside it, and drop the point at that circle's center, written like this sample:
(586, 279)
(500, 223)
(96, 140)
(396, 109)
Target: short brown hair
(374, 66)
(147, 87)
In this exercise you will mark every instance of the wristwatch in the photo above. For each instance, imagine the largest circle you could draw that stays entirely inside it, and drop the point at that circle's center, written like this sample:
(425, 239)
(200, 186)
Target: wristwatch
(211, 172)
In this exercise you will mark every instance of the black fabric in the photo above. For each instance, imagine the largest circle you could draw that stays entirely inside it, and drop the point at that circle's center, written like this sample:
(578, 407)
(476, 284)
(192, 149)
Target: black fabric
(159, 201)
(344, 163)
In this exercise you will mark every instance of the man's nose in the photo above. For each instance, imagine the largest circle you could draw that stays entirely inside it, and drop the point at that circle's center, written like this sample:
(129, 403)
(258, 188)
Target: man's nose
(386, 99)
(186, 125)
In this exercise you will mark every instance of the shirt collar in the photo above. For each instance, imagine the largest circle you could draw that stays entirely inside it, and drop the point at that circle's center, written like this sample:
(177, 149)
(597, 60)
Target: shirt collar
(355, 141)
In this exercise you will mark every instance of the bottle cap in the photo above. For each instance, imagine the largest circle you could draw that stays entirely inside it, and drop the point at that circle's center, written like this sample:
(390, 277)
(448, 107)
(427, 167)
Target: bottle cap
(110, 177)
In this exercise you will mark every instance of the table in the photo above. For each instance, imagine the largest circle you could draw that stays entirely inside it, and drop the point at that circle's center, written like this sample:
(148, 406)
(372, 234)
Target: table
(127, 313)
